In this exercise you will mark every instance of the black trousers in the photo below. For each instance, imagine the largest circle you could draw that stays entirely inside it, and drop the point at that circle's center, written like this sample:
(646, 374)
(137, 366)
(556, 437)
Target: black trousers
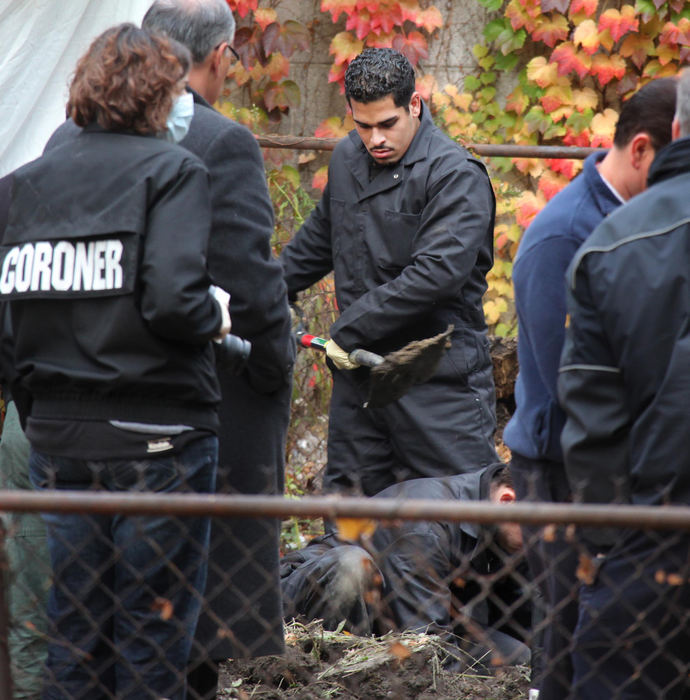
(553, 561)
(632, 638)
(440, 428)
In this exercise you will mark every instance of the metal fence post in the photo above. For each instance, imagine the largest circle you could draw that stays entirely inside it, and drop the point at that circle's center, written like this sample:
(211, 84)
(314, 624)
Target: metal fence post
(5, 674)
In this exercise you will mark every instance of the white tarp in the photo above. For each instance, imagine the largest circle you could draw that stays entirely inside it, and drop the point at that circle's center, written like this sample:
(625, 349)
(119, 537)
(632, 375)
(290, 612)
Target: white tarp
(40, 43)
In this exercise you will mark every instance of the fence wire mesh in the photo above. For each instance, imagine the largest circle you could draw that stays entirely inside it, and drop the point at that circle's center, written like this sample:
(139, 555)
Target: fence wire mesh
(452, 579)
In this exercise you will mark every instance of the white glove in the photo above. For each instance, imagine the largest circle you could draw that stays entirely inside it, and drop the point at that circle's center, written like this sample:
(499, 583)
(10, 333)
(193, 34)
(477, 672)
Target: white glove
(339, 357)
(223, 300)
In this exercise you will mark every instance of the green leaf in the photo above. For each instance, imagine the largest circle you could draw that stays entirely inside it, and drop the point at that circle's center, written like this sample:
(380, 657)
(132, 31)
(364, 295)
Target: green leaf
(491, 5)
(579, 121)
(488, 94)
(505, 165)
(471, 83)
(536, 120)
(554, 131)
(506, 63)
(487, 62)
(508, 40)
(531, 90)
(487, 77)
(291, 174)
(494, 28)
(480, 51)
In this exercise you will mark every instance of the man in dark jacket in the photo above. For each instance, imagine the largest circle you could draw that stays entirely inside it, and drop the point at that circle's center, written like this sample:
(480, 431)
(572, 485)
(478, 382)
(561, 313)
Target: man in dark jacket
(242, 615)
(462, 581)
(624, 386)
(533, 434)
(406, 224)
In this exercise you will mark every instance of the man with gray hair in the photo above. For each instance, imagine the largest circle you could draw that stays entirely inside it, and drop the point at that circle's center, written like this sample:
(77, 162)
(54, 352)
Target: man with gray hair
(624, 385)
(242, 614)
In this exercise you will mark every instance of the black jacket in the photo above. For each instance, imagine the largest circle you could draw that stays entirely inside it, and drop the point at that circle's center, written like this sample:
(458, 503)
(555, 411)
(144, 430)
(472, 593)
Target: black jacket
(410, 249)
(111, 313)
(240, 257)
(625, 370)
(431, 567)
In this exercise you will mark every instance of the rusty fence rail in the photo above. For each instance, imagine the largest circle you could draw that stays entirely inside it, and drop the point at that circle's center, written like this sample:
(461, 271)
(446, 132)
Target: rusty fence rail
(508, 150)
(243, 506)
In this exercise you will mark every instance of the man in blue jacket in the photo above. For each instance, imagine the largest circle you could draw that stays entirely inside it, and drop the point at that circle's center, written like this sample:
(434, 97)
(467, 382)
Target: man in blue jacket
(533, 434)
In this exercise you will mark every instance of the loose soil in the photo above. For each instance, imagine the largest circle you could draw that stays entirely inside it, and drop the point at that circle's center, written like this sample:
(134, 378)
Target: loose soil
(320, 664)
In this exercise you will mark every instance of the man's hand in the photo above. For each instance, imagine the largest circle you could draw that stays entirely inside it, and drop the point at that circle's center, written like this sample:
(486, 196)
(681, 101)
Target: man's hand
(223, 299)
(339, 357)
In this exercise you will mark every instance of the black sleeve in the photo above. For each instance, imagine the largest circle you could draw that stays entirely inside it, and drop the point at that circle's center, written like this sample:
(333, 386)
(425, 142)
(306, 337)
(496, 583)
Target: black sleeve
(592, 393)
(175, 298)
(241, 259)
(454, 226)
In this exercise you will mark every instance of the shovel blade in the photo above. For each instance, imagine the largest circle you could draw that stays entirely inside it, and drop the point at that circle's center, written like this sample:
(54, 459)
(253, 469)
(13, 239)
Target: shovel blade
(415, 363)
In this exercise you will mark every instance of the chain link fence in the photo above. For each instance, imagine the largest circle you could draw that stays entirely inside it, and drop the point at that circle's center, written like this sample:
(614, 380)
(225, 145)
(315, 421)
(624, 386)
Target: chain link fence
(446, 570)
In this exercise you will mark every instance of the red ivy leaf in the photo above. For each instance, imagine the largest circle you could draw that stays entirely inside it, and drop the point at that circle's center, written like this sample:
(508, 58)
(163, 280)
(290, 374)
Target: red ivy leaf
(619, 22)
(264, 16)
(586, 7)
(242, 7)
(413, 46)
(676, 34)
(429, 19)
(551, 31)
(344, 47)
(320, 178)
(248, 43)
(637, 47)
(565, 166)
(556, 96)
(551, 183)
(568, 59)
(337, 75)
(360, 22)
(576, 138)
(587, 36)
(337, 7)
(606, 68)
(333, 127)
(282, 95)
(557, 5)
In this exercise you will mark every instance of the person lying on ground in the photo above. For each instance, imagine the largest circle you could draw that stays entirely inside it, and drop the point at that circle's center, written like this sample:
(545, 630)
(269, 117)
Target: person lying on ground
(463, 581)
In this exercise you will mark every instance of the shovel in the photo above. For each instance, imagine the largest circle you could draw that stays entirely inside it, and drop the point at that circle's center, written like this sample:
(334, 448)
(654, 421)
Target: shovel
(394, 374)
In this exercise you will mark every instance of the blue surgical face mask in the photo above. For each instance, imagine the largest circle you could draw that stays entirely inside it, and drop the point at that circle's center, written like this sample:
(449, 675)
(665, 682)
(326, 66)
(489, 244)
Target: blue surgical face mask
(180, 117)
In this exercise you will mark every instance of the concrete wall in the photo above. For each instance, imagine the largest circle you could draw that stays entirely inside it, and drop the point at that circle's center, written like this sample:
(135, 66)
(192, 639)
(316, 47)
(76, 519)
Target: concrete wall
(449, 60)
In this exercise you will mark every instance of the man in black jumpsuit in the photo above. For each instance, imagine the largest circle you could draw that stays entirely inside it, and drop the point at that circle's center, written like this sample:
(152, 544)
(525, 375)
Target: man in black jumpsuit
(406, 224)
(462, 581)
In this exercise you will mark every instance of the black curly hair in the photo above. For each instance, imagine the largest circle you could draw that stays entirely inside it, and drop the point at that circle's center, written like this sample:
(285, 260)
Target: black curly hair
(377, 73)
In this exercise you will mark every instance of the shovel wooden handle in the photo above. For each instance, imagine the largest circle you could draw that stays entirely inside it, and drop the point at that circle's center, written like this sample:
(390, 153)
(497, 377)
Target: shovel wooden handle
(358, 355)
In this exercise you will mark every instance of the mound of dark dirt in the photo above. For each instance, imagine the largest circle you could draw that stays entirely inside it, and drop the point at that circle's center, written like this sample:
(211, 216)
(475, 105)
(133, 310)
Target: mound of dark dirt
(320, 664)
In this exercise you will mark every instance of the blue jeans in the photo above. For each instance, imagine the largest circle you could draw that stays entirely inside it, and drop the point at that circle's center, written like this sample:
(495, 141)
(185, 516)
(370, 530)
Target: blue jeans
(127, 589)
